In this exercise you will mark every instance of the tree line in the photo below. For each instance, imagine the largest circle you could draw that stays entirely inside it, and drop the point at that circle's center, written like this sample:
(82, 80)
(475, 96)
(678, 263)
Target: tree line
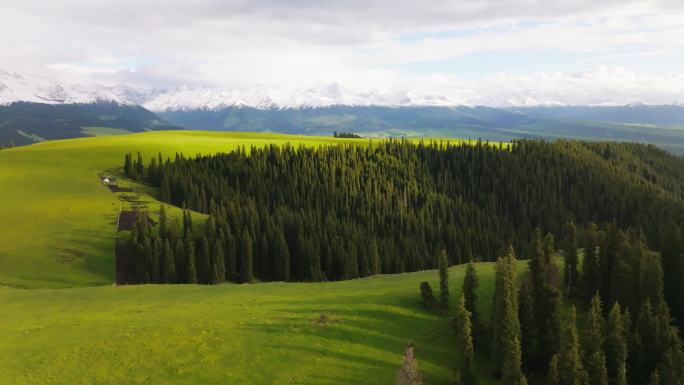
(348, 211)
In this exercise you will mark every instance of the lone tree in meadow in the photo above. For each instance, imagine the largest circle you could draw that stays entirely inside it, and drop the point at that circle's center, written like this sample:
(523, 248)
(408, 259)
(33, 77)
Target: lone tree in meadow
(426, 296)
(443, 281)
(466, 373)
(408, 373)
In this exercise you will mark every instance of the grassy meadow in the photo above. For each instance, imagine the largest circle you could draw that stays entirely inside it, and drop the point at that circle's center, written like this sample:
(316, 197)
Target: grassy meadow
(349, 332)
(58, 220)
(63, 322)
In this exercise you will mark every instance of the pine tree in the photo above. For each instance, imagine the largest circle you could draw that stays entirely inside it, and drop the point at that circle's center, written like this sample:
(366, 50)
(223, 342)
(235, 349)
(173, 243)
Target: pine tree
(163, 221)
(570, 368)
(191, 270)
(204, 261)
(375, 264)
(408, 373)
(655, 378)
(155, 262)
(281, 258)
(181, 259)
(247, 256)
(617, 327)
(465, 345)
(219, 275)
(571, 274)
(169, 263)
(506, 349)
(553, 375)
(470, 286)
(443, 281)
(427, 297)
(591, 269)
(595, 358)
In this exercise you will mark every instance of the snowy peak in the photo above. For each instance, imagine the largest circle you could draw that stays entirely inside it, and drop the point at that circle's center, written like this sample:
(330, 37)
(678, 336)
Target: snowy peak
(19, 88)
(261, 97)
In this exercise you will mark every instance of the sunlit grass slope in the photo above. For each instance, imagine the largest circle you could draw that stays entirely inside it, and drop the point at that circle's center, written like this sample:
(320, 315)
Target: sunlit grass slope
(349, 332)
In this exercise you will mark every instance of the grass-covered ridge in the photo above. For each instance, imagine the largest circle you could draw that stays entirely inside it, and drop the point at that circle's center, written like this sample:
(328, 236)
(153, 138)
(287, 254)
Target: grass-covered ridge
(57, 227)
(350, 332)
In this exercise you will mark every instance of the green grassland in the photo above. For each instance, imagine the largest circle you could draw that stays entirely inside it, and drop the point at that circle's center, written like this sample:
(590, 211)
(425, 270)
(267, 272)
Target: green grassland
(349, 332)
(58, 220)
(63, 322)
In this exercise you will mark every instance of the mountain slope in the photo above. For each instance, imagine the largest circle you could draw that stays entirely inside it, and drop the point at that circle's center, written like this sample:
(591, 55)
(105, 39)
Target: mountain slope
(424, 121)
(24, 123)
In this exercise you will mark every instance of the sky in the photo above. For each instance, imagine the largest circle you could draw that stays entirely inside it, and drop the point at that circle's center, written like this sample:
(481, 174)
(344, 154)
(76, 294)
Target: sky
(479, 51)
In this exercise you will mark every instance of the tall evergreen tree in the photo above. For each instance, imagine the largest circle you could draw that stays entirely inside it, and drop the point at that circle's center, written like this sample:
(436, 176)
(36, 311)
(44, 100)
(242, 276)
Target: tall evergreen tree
(591, 269)
(443, 281)
(191, 269)
(169, 264)
(571, 274)
(595, 357)
(570, 367)
(466, 372)
(617, 328)
(470, 286)
(247, 256)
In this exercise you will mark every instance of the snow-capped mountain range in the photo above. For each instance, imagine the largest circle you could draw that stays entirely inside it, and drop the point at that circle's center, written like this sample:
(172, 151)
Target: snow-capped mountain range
(16, 87)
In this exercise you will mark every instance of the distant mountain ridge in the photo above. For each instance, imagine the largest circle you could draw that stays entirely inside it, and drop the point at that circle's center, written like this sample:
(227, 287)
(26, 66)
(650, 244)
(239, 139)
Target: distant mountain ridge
(33, 109)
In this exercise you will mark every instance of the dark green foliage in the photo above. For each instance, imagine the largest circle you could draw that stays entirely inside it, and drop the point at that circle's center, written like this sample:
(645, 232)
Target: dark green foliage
(506, 348)
(332, 204)
(570, 367)
(595, 358)
(570, 272)
(443, 281)
(543, 335)
(470, 286)
(465, 345)
(347, 135)
(617, 329)
(591, 269)
(246, 257)
(427, 297)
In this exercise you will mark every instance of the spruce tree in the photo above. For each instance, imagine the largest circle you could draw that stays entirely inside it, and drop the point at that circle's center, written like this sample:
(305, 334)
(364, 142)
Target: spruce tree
(155, 260)
(191, 270)
(220, 261)
(170, 268)
(570, 367)
(595, 358)
(570, 272)
(281, 258)
(470, 286)
(466, 372)
(375, 264)
(163, 221)
(443, 281)
(617, 327)
(181, 258)
(553, 375)
(247, 256)
(506, 349)
(204, 261)
(591, 269)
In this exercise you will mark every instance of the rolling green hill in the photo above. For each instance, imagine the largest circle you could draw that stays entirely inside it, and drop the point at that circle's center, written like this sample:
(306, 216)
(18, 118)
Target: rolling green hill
(348, 332)
(58, 229)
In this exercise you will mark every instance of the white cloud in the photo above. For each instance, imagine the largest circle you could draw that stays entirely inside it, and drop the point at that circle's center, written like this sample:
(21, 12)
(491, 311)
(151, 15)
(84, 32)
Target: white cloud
(363, 44)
